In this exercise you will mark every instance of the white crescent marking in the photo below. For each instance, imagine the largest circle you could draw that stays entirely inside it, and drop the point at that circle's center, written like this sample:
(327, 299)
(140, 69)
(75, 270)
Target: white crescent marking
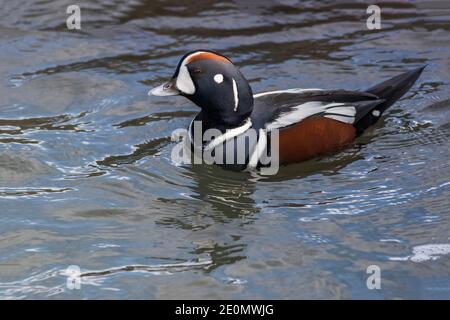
(236, 96)
(184, 81)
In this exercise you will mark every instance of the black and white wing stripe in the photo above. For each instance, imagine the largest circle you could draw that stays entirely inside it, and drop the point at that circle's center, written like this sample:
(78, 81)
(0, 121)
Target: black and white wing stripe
(284, 108)
(344, 112)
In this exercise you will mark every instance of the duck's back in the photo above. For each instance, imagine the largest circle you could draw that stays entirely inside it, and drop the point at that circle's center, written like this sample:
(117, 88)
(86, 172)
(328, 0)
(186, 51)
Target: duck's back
(312, 122)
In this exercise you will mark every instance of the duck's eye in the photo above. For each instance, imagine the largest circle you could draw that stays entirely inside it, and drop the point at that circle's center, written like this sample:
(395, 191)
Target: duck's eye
(218, 78)
(197, 71)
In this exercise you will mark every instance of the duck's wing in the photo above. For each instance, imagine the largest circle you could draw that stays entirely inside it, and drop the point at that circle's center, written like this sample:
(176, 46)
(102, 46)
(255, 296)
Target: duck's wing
(280, 109)
(312, 122)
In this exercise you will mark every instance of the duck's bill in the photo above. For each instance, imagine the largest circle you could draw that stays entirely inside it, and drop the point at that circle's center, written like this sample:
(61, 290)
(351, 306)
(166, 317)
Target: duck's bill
(167, 89)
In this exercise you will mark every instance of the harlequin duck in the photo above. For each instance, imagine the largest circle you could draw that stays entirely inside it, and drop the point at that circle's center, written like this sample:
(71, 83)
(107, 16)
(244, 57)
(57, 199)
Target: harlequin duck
(310, 122)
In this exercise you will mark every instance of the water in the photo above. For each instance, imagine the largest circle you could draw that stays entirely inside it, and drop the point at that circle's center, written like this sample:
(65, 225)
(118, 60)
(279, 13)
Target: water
(86, 177)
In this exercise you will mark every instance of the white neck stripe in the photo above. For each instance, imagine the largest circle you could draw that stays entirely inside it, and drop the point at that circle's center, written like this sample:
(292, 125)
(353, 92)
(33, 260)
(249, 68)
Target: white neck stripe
(229, 134)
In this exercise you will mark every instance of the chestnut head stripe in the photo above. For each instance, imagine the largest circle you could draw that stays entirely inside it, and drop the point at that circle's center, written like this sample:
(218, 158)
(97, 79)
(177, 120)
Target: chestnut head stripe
(202, 55)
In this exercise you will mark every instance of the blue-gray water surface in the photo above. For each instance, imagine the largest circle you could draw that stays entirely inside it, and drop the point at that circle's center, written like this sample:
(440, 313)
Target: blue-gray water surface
(86, 177)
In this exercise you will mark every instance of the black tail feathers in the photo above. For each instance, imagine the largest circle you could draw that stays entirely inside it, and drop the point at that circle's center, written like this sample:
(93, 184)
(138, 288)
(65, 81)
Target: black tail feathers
(390, 91)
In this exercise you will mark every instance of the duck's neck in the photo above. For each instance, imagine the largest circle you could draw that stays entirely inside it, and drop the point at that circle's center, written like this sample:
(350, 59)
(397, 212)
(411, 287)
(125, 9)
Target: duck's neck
(201, 124)
(209, 123)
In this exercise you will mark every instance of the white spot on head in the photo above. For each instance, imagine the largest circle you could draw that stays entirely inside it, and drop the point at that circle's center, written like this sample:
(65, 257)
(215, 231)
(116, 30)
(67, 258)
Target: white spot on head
(218, 78)
(376, 113)
(236, 96)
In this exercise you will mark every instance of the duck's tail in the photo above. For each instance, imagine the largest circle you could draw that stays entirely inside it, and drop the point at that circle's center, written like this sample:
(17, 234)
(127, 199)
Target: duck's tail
(390, 91)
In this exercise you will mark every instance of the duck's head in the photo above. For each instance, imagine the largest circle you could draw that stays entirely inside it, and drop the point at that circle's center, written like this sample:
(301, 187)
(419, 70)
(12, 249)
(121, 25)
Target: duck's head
(212, 82)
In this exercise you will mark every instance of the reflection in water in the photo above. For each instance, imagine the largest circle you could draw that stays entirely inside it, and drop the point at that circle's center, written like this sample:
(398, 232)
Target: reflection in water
(13, 193)
(218, 198)
(228, 193)
(86, 177)
(156, 269)
(155, 117)
(149, 148)
(19, 126)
